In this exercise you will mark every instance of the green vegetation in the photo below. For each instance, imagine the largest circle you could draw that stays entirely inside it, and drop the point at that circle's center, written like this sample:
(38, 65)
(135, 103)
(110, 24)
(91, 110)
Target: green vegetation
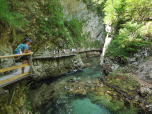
(75, 29)
(96, 6)
(147, 58)
(127, 17)
(55, 26)
(120, 11)
(8, 16)
(95, 44)
(27, 103)
(126, 82)
(127, 42)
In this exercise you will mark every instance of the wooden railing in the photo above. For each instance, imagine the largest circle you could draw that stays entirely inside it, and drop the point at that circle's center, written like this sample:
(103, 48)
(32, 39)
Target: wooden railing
(16, 67)
(61, 53)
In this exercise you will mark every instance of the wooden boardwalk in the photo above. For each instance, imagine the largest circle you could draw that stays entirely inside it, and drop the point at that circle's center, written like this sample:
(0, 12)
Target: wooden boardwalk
(14, 77)
(17, 76)
(61, 55)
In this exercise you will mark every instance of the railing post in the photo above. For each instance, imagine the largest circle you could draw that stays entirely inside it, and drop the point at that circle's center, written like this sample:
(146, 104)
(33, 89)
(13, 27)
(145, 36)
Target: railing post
(31, 63)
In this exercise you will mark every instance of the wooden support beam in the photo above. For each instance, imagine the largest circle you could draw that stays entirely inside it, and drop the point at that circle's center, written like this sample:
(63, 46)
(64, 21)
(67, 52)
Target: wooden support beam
(15, 55)
(13, 78)
(31, 64)
(11, 95)
(12, 68)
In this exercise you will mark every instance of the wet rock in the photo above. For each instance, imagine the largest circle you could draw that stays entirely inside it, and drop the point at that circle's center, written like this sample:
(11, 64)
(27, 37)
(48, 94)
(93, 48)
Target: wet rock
(54, 68)
(88, 65)
(93, 54)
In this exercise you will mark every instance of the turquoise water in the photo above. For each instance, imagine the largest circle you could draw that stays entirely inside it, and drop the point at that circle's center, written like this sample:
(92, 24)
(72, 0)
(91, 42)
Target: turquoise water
(85, 106)
(74, 104)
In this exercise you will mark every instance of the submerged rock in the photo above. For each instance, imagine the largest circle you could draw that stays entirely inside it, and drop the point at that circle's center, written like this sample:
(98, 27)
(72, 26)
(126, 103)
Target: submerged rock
(88, 65)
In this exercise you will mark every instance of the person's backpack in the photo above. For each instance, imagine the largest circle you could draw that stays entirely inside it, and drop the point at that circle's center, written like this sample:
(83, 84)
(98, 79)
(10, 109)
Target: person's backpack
(19, 47)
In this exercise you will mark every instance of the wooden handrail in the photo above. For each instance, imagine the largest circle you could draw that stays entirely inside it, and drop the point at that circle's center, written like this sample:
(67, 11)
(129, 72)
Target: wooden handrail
(13, 78)
(12, 68)
(15, 55)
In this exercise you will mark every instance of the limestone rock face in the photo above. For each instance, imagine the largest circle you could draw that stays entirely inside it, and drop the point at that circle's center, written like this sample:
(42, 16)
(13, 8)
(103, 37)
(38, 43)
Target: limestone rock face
(132, 64)
(36, 13)
(6, 49)
(94, 24)
(55, 67)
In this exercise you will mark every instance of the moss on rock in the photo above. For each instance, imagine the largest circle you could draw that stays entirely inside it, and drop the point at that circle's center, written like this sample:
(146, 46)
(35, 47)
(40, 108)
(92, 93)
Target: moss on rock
(125, 82)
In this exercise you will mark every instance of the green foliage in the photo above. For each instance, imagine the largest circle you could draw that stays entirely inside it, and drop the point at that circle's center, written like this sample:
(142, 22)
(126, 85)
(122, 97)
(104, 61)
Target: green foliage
(28, 106)
(147, 58)
(95, 6)
(53, 25)
(127, 42)
(12, 18)
(119, 11)
(75, 28)
(95, 44)
(127, 17)
(27, 103)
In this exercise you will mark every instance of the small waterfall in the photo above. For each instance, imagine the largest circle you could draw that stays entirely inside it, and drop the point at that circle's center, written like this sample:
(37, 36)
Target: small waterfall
(107, 42)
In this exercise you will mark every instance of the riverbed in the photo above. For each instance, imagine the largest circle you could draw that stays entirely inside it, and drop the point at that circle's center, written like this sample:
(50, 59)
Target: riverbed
(81, 92)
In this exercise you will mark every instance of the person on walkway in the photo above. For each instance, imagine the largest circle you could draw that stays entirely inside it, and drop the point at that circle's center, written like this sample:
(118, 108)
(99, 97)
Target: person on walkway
(64, 51)
(26, 50)
(72, 51)
(58, 51)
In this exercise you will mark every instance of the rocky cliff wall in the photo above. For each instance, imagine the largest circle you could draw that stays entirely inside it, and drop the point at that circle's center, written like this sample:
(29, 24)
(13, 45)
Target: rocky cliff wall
(6, 49)
(55, 67)
(49, 34)
(93, 25)
(46, 32)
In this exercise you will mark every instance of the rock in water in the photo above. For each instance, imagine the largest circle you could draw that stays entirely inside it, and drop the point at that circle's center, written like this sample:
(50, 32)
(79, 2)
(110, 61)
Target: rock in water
(88, 65)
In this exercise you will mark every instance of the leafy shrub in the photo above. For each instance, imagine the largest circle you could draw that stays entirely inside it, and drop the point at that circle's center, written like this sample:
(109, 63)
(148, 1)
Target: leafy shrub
(127, 42)
(119, 11)
(12, 18)
(95, 6)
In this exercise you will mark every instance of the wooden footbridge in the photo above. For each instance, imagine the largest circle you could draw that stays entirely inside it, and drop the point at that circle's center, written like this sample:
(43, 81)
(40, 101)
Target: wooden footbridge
(30, 70)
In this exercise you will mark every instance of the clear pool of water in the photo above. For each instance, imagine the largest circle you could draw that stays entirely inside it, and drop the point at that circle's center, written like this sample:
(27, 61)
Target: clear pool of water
(72, 104)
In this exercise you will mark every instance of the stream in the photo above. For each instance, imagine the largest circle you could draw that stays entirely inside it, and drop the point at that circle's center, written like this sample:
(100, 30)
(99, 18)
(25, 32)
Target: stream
(67, 100)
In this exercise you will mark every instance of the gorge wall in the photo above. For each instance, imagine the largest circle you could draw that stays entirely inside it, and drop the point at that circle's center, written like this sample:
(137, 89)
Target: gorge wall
(51, 25)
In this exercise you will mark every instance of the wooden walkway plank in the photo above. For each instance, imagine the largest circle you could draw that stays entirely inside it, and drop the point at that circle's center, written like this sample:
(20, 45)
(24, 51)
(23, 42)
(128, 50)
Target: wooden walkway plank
(13, 78)
(12, 68)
